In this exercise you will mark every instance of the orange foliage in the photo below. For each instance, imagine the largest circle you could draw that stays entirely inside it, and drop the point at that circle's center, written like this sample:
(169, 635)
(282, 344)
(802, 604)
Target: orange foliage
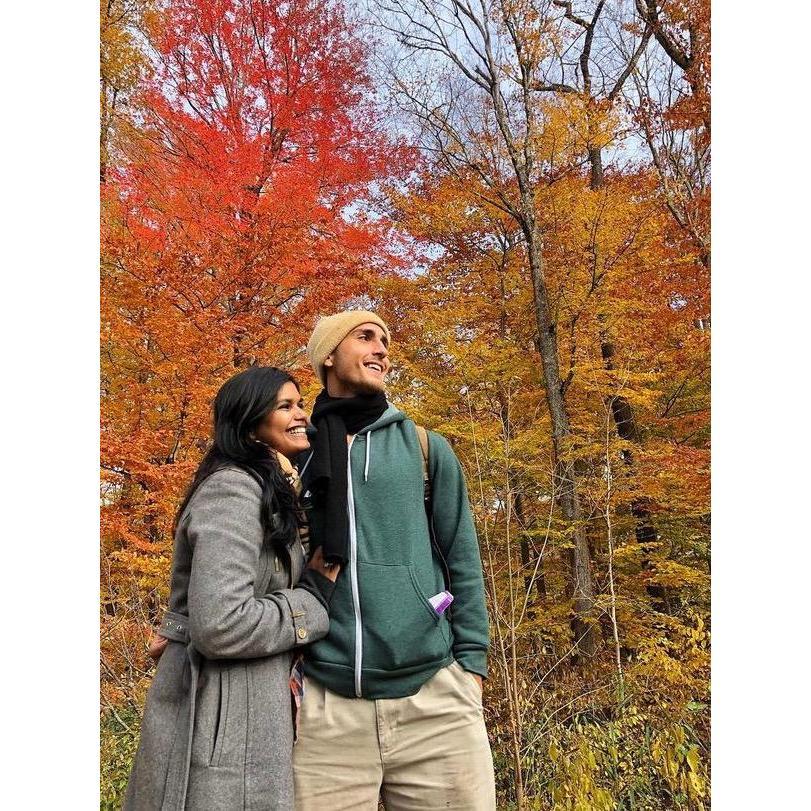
(235, 215)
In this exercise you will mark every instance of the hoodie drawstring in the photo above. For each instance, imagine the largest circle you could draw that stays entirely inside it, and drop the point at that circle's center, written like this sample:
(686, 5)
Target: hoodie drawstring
(368, 448)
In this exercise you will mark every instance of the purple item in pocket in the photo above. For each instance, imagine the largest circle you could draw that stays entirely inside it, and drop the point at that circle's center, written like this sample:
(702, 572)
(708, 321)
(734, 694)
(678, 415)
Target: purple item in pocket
(439, 602)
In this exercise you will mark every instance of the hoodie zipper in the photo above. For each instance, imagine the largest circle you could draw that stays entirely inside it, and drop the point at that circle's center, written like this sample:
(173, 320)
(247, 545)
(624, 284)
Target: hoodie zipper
(353, 569)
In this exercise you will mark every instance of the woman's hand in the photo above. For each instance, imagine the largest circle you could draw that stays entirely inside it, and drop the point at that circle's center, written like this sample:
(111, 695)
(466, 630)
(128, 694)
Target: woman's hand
(329, 570)
(157, 645)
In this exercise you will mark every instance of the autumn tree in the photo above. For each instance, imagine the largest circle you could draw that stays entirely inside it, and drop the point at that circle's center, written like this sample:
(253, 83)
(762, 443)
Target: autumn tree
(605, 41)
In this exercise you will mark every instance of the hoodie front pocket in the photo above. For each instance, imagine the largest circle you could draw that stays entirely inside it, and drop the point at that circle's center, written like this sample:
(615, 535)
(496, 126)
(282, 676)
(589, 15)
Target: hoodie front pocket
(400, 628)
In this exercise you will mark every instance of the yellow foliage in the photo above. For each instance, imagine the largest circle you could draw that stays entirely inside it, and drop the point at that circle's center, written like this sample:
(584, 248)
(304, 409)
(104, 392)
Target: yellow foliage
(573, 124)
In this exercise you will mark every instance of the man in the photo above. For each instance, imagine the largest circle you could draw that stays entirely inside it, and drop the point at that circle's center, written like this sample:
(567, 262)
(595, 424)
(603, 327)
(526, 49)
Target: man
(392, 701)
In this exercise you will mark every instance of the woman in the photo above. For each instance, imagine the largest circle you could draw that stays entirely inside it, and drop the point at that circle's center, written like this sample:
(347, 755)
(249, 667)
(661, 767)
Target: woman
(218, 731)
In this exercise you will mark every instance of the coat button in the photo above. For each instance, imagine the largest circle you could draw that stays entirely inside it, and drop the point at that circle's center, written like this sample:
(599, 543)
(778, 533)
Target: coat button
(302, 633)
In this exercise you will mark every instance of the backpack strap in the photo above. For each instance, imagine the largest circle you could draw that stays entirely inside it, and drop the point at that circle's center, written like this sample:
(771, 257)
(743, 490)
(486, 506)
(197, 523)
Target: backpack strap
(422, 436)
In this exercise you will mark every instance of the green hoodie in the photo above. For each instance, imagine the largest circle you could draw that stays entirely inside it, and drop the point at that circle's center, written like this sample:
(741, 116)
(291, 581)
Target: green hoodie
(385, 639)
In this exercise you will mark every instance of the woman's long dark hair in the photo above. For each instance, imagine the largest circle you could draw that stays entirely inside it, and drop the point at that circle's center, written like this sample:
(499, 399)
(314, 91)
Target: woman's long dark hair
(240, 405)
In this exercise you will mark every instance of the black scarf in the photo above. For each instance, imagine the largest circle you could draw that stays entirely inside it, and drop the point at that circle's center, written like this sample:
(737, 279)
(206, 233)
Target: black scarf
(325, 476)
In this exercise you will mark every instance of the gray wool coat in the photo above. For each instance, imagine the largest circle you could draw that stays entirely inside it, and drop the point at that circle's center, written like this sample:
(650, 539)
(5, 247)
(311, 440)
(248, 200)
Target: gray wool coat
(217, 732)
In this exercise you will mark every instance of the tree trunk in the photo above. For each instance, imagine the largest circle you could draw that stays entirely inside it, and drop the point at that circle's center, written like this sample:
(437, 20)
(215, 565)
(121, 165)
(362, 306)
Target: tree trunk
(596, 163)
(581, 588)
(646, 534)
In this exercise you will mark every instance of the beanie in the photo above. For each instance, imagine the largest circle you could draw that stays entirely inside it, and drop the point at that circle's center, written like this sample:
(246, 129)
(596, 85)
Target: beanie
(331, 330)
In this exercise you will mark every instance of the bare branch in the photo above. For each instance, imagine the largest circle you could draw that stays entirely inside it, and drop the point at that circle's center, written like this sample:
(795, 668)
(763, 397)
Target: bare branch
(570, 15)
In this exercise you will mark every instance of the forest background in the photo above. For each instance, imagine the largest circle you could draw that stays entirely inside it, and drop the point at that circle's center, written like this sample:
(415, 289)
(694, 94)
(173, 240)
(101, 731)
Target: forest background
(522, 190)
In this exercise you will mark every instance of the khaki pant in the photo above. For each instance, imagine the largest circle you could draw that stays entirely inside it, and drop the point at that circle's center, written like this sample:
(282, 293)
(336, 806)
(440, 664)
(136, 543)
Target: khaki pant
(422, 752)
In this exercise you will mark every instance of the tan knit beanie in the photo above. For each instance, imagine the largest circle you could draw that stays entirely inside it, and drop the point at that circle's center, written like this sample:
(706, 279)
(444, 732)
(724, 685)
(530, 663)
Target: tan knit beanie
(331, 330)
